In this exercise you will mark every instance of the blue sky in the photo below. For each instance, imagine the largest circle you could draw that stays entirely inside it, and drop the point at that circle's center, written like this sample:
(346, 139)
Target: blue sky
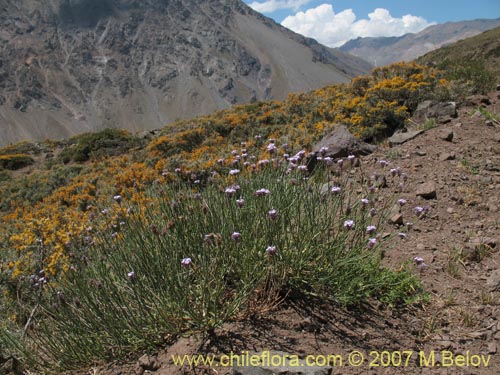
(333, 22)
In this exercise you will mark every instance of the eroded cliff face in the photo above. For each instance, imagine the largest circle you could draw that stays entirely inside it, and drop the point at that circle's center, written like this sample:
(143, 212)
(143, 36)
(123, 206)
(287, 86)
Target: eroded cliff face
(71, 66)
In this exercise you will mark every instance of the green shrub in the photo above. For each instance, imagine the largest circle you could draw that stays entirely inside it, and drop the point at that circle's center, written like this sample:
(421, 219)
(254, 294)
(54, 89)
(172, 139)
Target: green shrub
(109, 142)
(470, 76)
(197, 257)
(15, 161)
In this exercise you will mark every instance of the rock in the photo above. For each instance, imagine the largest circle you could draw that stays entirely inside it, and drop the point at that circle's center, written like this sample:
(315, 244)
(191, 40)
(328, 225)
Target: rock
(447, 156)
(400, 138)
(341, 143)
(492, 347)
(427, 190)
(11, 366)
(290, 365)
(420, 153)
(396, 219)
(434, 109)
(148, 363)
(493, 282)
(446, 135)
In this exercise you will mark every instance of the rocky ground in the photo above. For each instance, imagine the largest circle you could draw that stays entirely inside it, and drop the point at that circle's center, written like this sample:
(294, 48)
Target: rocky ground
(454, 170)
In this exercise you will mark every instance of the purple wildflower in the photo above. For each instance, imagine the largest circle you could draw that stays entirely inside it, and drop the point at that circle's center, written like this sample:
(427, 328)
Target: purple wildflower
(186, 262)
(373, 212)
(370, 229)
(177, 170)
(236, 236)
(371, 243)
(131, 276)
(383, 163)
(402, 201)
(273, 214)
(419, 210)
(335, 190)
(234, 172)
(323, 150)
(364, 202)
(349, 224)
(271, 147)
(271, 250)
(402, 235)
(420, 263)
(262, 192)
(263, 162)
(240, 202)
(230, 191)
(117, 198)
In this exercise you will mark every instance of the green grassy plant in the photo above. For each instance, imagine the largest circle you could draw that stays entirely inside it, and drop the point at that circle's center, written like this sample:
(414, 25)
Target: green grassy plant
(204, 252)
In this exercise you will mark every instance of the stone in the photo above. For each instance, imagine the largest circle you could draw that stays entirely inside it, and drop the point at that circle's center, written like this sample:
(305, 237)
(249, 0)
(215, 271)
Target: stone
(492, 347)
(340, 143)
(148, 363)
(446, 135)
(434, 109)
(447, 156)
(420, 153)
(493, 281)
(396, 219)
(427, 190)
(400, 138)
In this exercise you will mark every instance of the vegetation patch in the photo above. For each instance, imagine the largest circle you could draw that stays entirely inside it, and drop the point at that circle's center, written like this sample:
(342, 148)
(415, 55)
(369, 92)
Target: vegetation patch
(15, 161)
(202, 254)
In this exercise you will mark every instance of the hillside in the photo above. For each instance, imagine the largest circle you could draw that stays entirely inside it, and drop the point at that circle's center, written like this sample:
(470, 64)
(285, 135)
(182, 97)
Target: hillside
(385, 50)
(73, 67)
(483, 49)
(215, 236)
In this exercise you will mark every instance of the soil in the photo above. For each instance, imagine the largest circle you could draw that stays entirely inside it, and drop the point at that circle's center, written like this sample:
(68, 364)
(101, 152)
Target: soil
(458, 240)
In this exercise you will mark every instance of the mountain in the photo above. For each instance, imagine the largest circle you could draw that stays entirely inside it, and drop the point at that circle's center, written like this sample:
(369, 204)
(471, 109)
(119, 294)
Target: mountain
(385, 50)
(483, 49)
(73, 66)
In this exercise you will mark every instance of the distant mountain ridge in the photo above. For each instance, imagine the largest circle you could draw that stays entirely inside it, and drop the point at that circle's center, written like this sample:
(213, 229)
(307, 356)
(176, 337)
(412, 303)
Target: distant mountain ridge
(385, 50)
(73, 66)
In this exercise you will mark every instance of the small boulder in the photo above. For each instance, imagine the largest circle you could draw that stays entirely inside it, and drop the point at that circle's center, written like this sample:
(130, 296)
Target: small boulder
(339, 143)
(446, 135)
(427, 190)
(493, 282)
(447, 156)
(434, 109)
(148, 363)
(400, 138)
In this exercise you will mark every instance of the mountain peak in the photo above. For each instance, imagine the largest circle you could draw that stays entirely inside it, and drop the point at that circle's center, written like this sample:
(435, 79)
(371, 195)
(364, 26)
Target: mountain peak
(73, 66)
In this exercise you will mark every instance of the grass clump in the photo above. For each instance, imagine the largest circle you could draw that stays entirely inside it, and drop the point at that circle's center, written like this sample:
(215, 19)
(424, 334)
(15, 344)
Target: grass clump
(207, 251)
(109, 142)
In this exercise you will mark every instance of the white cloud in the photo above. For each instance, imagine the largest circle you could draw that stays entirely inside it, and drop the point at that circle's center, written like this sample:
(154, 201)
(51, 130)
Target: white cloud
(274, 5)
(334, 29)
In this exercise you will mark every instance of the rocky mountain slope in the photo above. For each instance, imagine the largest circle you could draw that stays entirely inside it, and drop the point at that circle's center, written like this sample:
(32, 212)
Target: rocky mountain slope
(385, 50)
(72, 66)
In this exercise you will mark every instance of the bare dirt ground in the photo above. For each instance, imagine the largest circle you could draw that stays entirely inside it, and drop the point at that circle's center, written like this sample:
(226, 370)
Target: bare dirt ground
(458, 240)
